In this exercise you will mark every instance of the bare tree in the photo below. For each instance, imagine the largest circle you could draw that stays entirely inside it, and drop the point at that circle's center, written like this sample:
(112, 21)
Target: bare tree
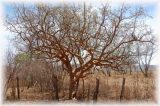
(145, 54)
(10, 71)
(79, 37)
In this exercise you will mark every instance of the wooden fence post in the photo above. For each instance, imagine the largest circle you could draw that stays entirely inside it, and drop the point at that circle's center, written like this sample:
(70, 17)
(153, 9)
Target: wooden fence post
(122, 89)
(55, 85)
(18, 90)
(95, 95)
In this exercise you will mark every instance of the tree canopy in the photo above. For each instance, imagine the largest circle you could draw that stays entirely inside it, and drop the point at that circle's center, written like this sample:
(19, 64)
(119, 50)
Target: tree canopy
(81, 37)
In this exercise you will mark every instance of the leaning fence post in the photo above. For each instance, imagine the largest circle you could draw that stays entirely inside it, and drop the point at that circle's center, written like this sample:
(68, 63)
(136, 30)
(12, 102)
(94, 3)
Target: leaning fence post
(122, 89)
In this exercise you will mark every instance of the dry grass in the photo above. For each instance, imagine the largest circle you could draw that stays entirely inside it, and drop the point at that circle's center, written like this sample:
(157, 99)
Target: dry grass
(137, 88)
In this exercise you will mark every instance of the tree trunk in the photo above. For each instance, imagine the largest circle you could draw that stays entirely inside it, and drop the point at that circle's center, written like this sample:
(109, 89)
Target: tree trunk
(77, 87)
(13, 90)
(146, 74)
(95, 95)
(40, 87)
(56, 89)
(109, 73)
(71, 87)
(18, 90)
(130, 69)
(122, 90)
(55, 85)
(83, 88)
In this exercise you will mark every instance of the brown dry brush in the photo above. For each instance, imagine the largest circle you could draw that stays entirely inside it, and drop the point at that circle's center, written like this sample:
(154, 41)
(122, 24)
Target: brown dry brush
(137, 85)
(88, 92)
(13, 92)
(116, 90)
(107, 87)
(134, 94)
(113, 89)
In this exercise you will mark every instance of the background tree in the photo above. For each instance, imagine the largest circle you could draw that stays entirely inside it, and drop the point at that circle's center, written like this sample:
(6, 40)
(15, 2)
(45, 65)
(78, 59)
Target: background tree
(144, 56)
(10, 71)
